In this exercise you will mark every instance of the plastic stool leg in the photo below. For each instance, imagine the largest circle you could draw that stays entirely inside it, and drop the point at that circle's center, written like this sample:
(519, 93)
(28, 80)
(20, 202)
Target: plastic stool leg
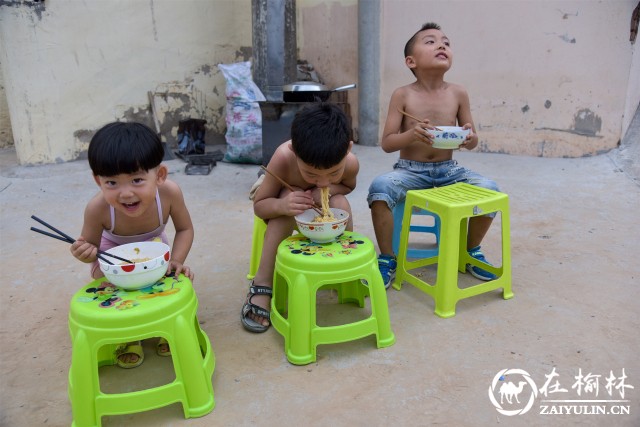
(259, 228)
(507, 292)
(380, 309)
(82, 383)
(398, 212)
(398, 219)
(353, 291)
(462, 245)
(188, 360)
(300, 349)
(447, 274)
(403, 251)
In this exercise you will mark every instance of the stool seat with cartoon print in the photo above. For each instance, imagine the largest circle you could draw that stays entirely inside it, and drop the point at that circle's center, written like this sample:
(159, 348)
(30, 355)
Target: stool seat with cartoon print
(303, 267)
(103, 316)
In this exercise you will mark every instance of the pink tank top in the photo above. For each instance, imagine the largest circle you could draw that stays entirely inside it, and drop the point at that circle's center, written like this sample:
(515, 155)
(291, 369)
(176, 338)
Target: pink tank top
(121, 240)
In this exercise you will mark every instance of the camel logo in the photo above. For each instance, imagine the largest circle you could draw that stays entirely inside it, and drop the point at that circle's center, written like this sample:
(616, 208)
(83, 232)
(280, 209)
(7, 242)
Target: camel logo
(510, 384)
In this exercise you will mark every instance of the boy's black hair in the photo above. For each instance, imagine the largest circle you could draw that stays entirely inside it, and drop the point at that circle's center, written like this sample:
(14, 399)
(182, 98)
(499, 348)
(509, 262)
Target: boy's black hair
(320, 135)
(119, 148)
(428, 26)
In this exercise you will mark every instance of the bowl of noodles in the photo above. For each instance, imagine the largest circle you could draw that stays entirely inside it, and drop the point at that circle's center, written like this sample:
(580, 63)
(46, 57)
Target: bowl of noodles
(322, 228)
(150, 261)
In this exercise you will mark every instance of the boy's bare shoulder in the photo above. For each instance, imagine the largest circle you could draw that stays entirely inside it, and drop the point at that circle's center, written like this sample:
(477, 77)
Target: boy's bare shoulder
(283, 152)
(402, 91)
(353, 164)
(456, 88)
(282, 159)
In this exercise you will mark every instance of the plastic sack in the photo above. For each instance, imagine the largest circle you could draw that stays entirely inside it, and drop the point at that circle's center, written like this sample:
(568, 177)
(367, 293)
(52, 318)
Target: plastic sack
(243, 119)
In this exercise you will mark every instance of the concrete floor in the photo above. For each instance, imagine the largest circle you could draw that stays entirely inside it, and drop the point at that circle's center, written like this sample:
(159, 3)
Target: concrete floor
(576, 274)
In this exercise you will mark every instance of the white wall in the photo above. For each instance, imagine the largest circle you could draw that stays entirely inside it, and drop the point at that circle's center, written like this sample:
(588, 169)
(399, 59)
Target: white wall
(633, 90)
(536, 71)
(76, 65)
(6, 136)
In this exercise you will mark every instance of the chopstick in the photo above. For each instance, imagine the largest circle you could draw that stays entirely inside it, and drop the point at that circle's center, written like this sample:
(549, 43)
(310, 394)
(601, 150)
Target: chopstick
(66, 238)
(414, 118)
(290, 188)
(37, 230)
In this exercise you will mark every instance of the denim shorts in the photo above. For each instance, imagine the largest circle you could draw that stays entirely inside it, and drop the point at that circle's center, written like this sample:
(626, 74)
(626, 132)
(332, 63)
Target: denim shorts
(408, 175)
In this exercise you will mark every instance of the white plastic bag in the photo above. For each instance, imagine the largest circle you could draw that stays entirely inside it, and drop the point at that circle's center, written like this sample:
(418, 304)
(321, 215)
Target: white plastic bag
(243, 119)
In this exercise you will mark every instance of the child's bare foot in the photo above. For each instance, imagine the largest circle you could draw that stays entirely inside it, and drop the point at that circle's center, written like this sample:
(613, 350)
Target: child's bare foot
(129, 355)
(262, 301)
(255, 314)
(162, 348)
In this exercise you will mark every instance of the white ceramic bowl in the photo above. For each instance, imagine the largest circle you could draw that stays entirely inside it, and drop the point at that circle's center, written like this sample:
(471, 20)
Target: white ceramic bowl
(448, 137)
(322, 232)
(150, 264)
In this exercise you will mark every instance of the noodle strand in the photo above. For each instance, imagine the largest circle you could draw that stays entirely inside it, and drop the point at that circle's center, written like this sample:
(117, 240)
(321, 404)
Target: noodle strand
(327, 214)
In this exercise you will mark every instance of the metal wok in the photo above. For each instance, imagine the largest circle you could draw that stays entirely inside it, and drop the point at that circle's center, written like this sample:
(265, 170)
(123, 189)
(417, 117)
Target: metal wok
(309, 91)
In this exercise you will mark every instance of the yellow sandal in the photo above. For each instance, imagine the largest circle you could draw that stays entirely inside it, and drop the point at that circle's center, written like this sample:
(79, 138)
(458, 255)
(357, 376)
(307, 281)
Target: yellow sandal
(130, 348)
(160, 348)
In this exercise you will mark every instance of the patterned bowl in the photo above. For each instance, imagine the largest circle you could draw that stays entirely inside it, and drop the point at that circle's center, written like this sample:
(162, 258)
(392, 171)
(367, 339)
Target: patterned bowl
(449, 137)
(322, 232)
(150, 264)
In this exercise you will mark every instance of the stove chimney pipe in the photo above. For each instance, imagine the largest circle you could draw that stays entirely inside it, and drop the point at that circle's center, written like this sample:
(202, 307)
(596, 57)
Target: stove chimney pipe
(274, 45)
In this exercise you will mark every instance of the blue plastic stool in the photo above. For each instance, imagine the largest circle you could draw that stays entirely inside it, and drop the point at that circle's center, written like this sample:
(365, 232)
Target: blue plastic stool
(398, 213)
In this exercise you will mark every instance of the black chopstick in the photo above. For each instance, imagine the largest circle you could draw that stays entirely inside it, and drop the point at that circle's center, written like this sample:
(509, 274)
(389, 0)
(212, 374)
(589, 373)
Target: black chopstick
(114, 256)
(69, 239)
(64, 239)
(46, 233)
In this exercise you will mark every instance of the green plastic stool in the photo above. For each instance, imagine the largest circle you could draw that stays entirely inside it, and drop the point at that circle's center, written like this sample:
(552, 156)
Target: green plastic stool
(302, 268)
(259, 228)
(102, 316)
(454, 204)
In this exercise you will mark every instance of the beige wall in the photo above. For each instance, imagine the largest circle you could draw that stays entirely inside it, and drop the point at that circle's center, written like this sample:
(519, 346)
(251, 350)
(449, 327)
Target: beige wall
(72, 67)
(540, 74)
